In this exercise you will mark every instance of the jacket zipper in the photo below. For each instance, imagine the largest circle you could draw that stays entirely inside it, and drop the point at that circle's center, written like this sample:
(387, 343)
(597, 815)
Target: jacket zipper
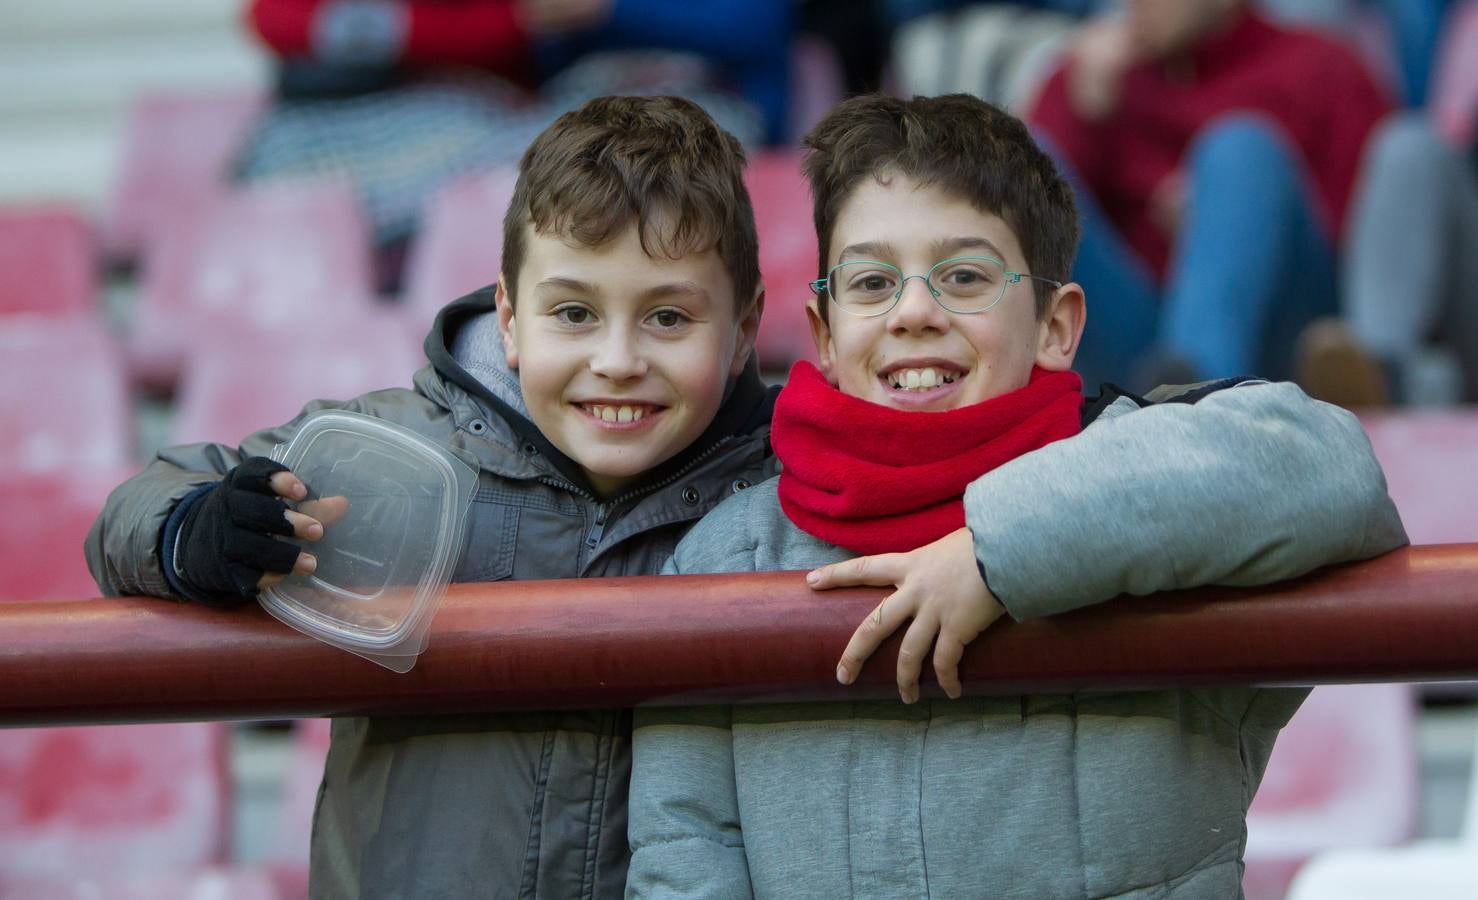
(603, 510)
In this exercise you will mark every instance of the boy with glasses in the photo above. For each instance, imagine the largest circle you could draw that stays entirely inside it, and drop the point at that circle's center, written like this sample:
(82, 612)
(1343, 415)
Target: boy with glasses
(945, 416)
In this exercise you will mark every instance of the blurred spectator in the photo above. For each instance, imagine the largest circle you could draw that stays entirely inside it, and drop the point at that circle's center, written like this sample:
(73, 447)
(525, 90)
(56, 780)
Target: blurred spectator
(406, 95)
(1409, 276)
(858, 31)
(1215, 155)
(1413, 28)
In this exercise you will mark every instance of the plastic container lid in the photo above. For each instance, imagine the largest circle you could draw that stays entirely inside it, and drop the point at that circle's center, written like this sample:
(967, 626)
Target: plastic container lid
(393, 505)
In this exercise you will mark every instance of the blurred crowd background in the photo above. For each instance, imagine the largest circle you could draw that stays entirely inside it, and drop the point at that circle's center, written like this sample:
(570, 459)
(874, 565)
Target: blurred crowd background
(212, 211)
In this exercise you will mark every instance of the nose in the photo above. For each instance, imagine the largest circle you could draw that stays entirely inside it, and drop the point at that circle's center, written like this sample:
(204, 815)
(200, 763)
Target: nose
(917, 310)
(619, 357)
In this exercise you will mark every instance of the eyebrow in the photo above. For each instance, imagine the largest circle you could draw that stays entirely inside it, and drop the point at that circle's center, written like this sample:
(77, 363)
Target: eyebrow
(941, 249)
(868, 250)
(676, 289)
(952, 246)
(671, 289)
(569, 284)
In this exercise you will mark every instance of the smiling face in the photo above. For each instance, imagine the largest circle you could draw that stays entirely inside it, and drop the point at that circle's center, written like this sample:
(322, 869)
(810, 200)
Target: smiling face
(917, 355)
(622, 358)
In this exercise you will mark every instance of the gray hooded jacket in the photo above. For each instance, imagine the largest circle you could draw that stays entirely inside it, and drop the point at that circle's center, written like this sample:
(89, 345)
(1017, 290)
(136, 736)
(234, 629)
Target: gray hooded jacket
(1085, 795)
(516, 805)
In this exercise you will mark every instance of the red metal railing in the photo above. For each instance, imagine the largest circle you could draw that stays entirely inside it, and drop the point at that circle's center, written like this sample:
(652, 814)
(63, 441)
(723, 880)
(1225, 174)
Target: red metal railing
(1409, 615)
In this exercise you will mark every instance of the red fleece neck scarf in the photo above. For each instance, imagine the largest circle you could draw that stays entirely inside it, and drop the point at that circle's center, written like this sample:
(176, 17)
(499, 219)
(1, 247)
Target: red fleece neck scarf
(875, 479)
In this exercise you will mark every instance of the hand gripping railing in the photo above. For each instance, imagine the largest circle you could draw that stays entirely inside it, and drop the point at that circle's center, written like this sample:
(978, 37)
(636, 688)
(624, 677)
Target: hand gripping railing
(1409, 615)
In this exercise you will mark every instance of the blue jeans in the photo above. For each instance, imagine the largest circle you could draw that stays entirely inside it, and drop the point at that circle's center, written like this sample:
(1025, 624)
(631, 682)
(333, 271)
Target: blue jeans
(1251, 266)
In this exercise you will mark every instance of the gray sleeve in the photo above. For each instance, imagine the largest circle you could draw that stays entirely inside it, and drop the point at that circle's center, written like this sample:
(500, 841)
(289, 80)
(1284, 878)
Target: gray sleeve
(122, 548)
(722, 541)
(684, 808)
(1251, 485)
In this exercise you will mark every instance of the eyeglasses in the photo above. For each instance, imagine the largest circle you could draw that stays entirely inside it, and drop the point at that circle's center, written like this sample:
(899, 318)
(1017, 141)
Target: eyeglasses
(960, 284)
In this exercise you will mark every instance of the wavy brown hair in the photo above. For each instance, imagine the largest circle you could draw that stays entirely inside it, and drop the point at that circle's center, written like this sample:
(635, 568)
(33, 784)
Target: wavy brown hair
(660, 162)
(959, 144)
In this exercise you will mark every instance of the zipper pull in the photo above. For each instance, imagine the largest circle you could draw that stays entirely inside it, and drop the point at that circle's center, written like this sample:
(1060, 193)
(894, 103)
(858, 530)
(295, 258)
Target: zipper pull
(602, 512)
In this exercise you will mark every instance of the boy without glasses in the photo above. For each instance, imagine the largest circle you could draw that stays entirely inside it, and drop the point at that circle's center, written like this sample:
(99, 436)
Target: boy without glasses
(604, 389)
(945, 411)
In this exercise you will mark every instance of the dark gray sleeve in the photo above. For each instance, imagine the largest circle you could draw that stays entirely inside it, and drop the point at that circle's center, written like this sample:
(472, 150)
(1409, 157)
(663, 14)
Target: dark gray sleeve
(1251, 485)
(123, 547)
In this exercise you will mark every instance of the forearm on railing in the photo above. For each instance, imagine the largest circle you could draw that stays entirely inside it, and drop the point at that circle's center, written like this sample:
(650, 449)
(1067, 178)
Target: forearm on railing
(1408, 616)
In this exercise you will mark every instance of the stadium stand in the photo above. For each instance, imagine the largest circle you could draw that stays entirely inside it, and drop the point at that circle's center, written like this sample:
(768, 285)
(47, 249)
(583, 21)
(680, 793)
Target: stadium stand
(325, 361)
(277, 256)
(65, 404)
(46, 261)
(1344, 773)
(460, 245)
(782, 212)
(176, 157)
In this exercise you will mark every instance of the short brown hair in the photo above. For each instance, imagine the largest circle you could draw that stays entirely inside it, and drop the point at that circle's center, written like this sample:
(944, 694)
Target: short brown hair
(660, 162)
(957, 143)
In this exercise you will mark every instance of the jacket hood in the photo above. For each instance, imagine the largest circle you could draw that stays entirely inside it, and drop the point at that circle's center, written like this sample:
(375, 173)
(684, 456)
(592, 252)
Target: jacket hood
(464, 333)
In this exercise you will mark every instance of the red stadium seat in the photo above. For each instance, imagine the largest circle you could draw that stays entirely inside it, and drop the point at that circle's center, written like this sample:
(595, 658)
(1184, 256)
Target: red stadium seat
(1428, 458)
(177, 151)
(113, 804)
(283, 256)
(242, 381)
(46, 262)
(1344, 773)
(42, 525)
(65, 404)
(460, 246)
(215, 882)
(782, 211)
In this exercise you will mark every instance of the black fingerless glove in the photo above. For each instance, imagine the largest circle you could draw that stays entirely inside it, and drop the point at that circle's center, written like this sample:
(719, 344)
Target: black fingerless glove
(225, 542)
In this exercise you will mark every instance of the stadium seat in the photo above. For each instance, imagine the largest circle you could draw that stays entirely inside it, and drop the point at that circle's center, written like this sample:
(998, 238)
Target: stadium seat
(1344, 773)
(177, 151)
(239, 382)
(46, 262)
(1431, 869)
(207, 883)
(1428, 459)
(65, 405)
(45, 518)
(460, 246)
(782, 211)
(112, 804)
(283, 256)
(1454, 100)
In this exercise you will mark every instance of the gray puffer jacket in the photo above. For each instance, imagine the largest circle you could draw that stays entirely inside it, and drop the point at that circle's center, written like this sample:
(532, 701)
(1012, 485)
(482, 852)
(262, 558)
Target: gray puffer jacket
(518, 805)
(1138, 795)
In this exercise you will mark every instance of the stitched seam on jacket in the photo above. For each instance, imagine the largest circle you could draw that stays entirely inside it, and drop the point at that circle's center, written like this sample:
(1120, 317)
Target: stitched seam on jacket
(530, 882)
(919, 799)
(604, 743)
(1078, 801)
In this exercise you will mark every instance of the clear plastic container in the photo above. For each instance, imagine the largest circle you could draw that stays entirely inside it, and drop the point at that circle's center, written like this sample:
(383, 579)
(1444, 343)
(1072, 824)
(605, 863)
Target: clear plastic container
(393, 504)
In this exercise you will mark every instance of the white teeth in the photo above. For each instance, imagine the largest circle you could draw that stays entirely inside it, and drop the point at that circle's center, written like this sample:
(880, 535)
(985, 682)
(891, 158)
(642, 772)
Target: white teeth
(919, 379)
(622, 414)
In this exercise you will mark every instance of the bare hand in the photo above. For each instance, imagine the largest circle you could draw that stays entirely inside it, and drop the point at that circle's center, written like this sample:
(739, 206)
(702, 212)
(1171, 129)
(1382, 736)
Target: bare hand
(308, 521)
(937, 586)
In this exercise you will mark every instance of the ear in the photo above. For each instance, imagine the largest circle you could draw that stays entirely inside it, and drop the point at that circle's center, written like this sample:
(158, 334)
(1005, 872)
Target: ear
(506, 324)
(821, 337)
(749, 330)
(1059, 332)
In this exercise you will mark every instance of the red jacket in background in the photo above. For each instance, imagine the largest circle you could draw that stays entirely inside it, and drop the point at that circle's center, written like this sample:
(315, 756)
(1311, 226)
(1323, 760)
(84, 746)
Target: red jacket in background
(1316, 89)
(483, 33)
